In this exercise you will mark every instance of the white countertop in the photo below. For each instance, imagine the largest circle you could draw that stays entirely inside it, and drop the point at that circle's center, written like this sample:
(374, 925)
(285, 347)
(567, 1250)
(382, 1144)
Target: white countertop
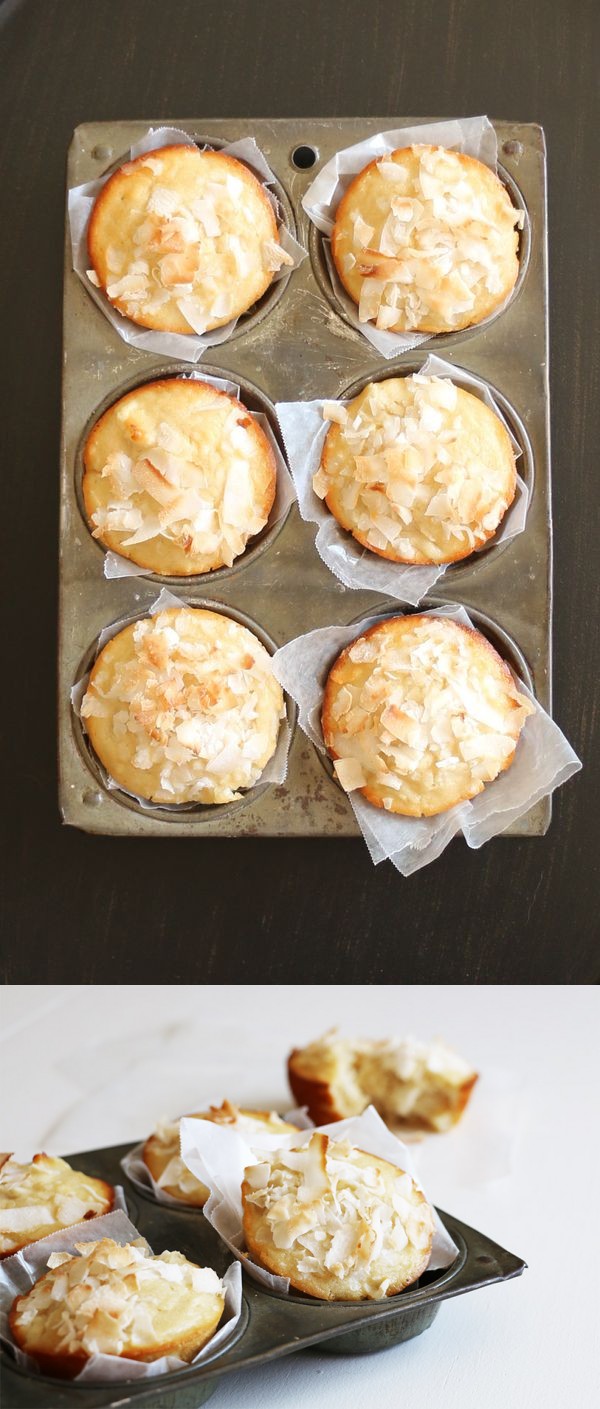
(90, 1066)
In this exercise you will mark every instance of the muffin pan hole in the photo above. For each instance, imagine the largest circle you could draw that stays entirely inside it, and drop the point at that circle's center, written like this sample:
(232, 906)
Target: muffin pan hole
(196, 812)
(304, 156)
(525, 462)
(316, 245)
(255, 400)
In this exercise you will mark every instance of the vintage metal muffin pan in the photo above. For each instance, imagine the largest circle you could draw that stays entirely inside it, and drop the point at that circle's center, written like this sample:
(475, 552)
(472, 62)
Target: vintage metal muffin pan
(271, 1325)
(297, 343)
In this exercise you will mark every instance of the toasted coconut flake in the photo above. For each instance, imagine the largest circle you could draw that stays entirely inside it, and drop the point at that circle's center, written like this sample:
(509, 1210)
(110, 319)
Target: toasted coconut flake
(275, 256)
(350, 773)
(195, 312)
(335, 411)
(320, 484)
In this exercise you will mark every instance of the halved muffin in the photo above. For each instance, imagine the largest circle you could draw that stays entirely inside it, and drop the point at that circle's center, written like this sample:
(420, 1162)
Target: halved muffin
(340, 1223)
(178, 476)
(419, 713)
(417, 469)
(41, 1197)
(410, 1083)
(161, 1150)
(183, 706)
(425, 240)
(182, 240)
(116, 1300)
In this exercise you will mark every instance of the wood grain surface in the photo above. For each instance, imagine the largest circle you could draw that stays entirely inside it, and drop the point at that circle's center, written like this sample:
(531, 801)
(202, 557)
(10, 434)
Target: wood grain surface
(90, 910)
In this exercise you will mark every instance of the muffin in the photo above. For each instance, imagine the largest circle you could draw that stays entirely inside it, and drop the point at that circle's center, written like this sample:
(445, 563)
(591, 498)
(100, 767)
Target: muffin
(40, 1198)
(161, 1151)
(417, 470)
(178, 476)
(340, 1223)
(420, 713)
(182, 240)
(411, 1083)
(116, 1300)
(425, 241)
(183, 707)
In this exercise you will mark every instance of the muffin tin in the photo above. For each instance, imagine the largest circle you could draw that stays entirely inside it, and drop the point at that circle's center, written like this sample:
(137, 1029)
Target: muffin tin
(271, 1325)
(297, 344)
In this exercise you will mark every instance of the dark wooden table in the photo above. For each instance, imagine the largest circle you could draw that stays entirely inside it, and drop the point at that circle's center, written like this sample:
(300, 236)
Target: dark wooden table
(106, 910)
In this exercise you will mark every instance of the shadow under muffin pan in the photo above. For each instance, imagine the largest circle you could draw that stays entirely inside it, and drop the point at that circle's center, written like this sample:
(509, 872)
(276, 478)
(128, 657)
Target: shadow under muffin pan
(166, 811)
(434, 340)
(302, 351)
(524, 463)
(271, 296)
(272, 1324)
(493, 632)
(251, 397)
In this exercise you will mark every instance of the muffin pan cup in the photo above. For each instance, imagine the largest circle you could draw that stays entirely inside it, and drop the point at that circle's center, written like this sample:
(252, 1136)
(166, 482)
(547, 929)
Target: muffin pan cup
(271, 1325)
(301, 348)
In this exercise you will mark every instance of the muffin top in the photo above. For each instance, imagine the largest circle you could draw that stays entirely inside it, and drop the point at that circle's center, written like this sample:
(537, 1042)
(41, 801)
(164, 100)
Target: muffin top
(39, 1198)
(183, 707)
(178, 476)
(417, 469)
(420, 713)
(162, 1149)
(339, 1222)
(182, 240)
(114, 1300)
(425, 241)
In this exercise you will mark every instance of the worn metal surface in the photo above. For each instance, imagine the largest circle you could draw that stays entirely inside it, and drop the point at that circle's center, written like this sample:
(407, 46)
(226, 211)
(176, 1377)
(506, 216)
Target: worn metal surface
(298, 345)
(271, 1325)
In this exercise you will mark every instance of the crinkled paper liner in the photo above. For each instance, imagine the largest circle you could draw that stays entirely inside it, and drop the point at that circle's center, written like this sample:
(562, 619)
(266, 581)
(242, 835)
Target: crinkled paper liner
(304, 432)
(19, 1273)
(188, 347)
(115, 565)
(218, 1157)
(474, 136)
(543, 759)
(275, 770)
(139, 1175)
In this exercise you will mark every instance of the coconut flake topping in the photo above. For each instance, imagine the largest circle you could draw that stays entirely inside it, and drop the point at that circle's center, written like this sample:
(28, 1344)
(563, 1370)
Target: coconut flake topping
(413, 472)
(112, 1299)
(340, 1214)
(430, 718)
(440, 243)
(44, 1195)
(202, 710)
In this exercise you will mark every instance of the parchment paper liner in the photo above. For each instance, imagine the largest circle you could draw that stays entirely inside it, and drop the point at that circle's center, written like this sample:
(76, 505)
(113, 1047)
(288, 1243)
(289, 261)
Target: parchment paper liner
(188, 347)
(304, 432)
(140, 1176)
(275, 770)
(218, 1157)
(18, 1274)
(116, 565)
(543, 759)
(474, 136)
